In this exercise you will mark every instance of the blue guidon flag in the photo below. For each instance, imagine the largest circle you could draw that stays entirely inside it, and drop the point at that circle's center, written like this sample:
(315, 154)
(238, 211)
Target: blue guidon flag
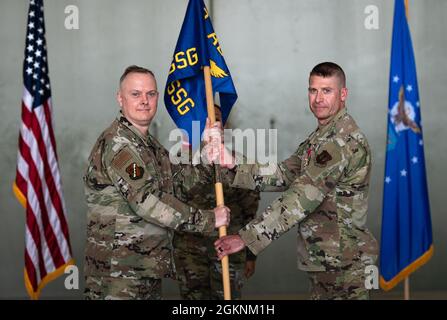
(406, 242)
(197, 46)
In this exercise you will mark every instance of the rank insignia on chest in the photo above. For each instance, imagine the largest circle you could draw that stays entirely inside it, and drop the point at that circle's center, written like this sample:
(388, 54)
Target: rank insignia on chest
(135, 171)
(323, 158)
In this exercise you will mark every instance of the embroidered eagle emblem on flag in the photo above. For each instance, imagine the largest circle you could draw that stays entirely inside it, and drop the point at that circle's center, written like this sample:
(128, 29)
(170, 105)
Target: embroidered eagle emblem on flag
(216, 71)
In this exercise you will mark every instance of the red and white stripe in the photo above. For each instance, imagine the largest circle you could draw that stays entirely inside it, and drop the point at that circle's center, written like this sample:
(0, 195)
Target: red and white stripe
(38, 184)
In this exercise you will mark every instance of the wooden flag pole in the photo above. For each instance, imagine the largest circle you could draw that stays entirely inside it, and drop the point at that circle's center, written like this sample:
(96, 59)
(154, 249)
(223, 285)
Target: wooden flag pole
(218, 186)
(406, 8)
(407, 288)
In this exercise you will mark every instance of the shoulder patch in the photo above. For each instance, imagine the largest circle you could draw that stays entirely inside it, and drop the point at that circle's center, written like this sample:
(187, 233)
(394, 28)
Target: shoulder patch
(129, 165)
(323, 157)
(121, 159)
(135, 171)
(330, 160)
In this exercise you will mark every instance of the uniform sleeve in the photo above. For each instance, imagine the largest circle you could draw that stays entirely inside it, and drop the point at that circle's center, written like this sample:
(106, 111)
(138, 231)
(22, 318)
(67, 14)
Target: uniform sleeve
(304, 195)
(139, 185)
(269, 177)
(249, 203)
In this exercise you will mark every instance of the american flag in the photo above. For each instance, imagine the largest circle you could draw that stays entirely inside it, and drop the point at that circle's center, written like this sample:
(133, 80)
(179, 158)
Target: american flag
(38, 183)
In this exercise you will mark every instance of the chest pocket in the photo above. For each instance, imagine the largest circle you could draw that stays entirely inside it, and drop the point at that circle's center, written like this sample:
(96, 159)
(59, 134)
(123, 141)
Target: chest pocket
(159, 157)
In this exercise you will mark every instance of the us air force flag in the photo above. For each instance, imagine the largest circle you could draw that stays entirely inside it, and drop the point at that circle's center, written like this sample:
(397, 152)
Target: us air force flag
(197, 46)
(406, 227)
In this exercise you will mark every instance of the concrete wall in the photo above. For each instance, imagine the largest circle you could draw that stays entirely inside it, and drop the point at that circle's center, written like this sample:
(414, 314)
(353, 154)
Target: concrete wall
(270, 47)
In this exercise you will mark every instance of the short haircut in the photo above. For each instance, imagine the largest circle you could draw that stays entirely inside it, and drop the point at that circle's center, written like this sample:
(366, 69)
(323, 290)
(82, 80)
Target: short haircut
(135, 69)
(329, 69)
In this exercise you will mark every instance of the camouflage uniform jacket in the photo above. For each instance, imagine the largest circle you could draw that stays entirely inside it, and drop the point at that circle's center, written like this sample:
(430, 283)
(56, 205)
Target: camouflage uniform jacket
(131, 189)
(242, 203)
(326, 182)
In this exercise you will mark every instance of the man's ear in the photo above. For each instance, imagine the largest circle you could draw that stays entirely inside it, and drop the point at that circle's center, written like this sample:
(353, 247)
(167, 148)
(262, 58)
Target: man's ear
(344, 94)
(119, 98)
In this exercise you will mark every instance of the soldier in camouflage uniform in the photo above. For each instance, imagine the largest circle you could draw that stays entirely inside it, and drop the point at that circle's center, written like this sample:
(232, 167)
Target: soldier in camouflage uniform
(199, 271)
(133, 193)
(326, 182)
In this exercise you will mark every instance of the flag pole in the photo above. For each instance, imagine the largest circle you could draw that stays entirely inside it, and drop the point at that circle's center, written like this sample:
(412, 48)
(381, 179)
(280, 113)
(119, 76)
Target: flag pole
(406, 8)
(218, 185)
(407, 279)
(407, 288)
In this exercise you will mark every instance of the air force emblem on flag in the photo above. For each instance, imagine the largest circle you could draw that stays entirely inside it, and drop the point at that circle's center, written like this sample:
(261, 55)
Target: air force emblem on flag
(403, 116)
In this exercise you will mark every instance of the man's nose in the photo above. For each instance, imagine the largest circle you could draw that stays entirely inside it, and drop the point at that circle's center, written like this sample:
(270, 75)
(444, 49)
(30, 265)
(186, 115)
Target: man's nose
(319, 97)
(144, 99)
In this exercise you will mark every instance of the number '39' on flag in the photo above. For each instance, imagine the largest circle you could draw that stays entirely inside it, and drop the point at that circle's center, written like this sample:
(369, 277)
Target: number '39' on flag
(197, 46)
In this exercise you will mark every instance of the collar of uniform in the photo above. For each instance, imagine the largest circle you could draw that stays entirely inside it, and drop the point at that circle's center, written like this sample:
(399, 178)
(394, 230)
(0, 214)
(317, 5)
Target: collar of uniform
(323, 129)
(123, 120)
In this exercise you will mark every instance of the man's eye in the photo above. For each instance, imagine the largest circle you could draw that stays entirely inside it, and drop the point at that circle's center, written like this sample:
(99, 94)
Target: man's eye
(135, 94)
(152, 94)
(326, 91)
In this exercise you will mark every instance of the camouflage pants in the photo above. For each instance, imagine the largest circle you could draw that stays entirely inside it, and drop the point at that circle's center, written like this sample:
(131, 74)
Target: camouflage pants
(199, 273)
(108, 288)
(343, 285)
